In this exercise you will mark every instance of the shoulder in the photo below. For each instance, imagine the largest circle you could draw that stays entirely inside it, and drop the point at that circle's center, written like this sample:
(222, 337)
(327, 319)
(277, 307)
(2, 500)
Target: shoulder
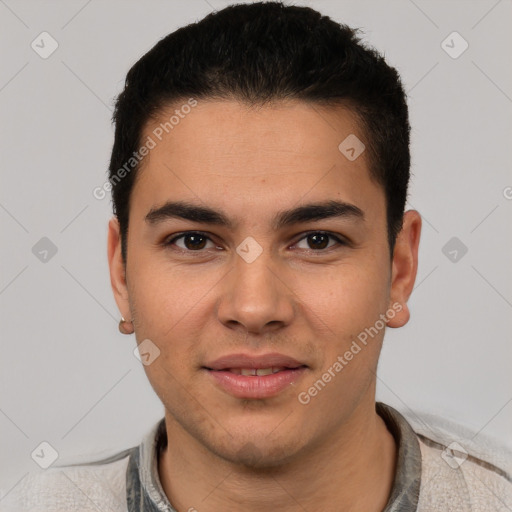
(455, 479)
(93, 486)
(462, 470)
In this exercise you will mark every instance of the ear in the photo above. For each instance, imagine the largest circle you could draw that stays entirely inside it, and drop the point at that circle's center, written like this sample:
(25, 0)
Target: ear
(117, 268)
(404, 267)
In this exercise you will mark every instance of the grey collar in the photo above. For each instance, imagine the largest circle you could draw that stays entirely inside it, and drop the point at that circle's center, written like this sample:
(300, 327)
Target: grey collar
(144, 491)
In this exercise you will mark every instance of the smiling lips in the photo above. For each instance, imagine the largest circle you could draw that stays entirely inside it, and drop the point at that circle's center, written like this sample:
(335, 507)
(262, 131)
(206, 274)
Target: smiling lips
(245, 376)
(256, 371)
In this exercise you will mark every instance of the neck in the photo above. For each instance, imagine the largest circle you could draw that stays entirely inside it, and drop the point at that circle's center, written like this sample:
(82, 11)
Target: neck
(352, 469)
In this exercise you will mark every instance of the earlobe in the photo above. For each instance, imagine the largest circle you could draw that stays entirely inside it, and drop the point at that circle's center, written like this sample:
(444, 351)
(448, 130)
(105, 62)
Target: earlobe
(117, 267)
(404, 267)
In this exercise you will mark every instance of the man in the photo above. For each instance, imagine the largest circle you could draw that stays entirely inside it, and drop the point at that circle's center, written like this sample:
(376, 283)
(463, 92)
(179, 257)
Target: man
(258, 251)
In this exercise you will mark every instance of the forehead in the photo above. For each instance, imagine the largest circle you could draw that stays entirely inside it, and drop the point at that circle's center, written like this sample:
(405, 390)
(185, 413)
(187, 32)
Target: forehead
(225, 153)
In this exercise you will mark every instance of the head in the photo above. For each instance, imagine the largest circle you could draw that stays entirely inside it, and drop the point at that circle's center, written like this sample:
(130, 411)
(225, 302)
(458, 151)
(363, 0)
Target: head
(282, 142)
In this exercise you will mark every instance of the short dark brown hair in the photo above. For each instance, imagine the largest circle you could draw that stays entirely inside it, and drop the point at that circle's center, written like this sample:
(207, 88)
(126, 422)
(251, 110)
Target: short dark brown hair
(262, 52)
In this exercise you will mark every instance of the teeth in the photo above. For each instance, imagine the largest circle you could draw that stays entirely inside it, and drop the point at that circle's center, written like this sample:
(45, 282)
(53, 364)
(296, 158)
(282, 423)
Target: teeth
(264, 371)
(256, 372)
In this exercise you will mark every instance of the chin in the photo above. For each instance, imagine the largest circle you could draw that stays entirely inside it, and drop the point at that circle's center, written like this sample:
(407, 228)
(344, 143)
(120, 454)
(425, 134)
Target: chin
(257, 450)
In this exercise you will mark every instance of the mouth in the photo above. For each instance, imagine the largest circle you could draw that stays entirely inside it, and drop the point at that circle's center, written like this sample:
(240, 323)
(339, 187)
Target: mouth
(255, 372)
(256, 377)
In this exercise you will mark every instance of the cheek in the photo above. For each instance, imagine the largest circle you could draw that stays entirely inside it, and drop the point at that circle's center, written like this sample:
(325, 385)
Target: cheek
(171, 309)
(344, 300)
(166, 296)
(348, 310)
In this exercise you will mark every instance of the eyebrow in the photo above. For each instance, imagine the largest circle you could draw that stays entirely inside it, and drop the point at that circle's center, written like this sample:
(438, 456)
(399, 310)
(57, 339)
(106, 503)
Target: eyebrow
(206, 215)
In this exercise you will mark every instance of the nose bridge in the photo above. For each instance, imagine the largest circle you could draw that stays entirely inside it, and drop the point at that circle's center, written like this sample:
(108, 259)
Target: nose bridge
(254, 295)
(253, 271)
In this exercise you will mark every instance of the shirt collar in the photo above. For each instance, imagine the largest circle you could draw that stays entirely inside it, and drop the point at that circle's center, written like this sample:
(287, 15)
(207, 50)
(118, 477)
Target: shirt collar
(144, 491)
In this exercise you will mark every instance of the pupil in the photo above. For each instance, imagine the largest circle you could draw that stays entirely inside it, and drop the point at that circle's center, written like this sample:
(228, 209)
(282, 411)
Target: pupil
(319, 241)
(315, 237)
(194, 245)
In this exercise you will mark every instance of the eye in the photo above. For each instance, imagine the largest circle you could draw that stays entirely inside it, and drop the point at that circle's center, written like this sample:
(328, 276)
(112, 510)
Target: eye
(319, 240)
(193, 241)
(196, 241)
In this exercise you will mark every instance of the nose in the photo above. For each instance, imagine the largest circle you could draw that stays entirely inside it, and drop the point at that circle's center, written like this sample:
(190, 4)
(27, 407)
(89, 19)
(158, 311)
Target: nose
(255, 297)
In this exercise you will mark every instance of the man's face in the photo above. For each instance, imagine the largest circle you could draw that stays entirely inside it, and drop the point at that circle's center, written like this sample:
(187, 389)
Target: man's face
(254, 288)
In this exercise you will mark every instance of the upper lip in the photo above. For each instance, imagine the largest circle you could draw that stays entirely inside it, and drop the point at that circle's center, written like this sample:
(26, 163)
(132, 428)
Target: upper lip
(252, 361)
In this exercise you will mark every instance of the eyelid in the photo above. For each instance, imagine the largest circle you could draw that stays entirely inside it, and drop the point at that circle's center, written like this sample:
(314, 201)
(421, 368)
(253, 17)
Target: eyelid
(341, 241)
(169, 241)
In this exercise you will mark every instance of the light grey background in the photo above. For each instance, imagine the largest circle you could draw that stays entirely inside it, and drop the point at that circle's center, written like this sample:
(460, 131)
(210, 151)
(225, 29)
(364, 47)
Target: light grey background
(69, 378)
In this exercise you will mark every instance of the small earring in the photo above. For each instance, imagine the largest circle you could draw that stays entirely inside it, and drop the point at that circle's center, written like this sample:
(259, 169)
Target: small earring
(126, 326)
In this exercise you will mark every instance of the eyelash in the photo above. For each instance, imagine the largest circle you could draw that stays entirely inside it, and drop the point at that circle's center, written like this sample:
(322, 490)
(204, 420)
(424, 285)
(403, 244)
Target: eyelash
(169, 242)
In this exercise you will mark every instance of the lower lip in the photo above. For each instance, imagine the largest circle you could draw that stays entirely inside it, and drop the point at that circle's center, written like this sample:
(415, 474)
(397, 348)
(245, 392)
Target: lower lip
(254, 386)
